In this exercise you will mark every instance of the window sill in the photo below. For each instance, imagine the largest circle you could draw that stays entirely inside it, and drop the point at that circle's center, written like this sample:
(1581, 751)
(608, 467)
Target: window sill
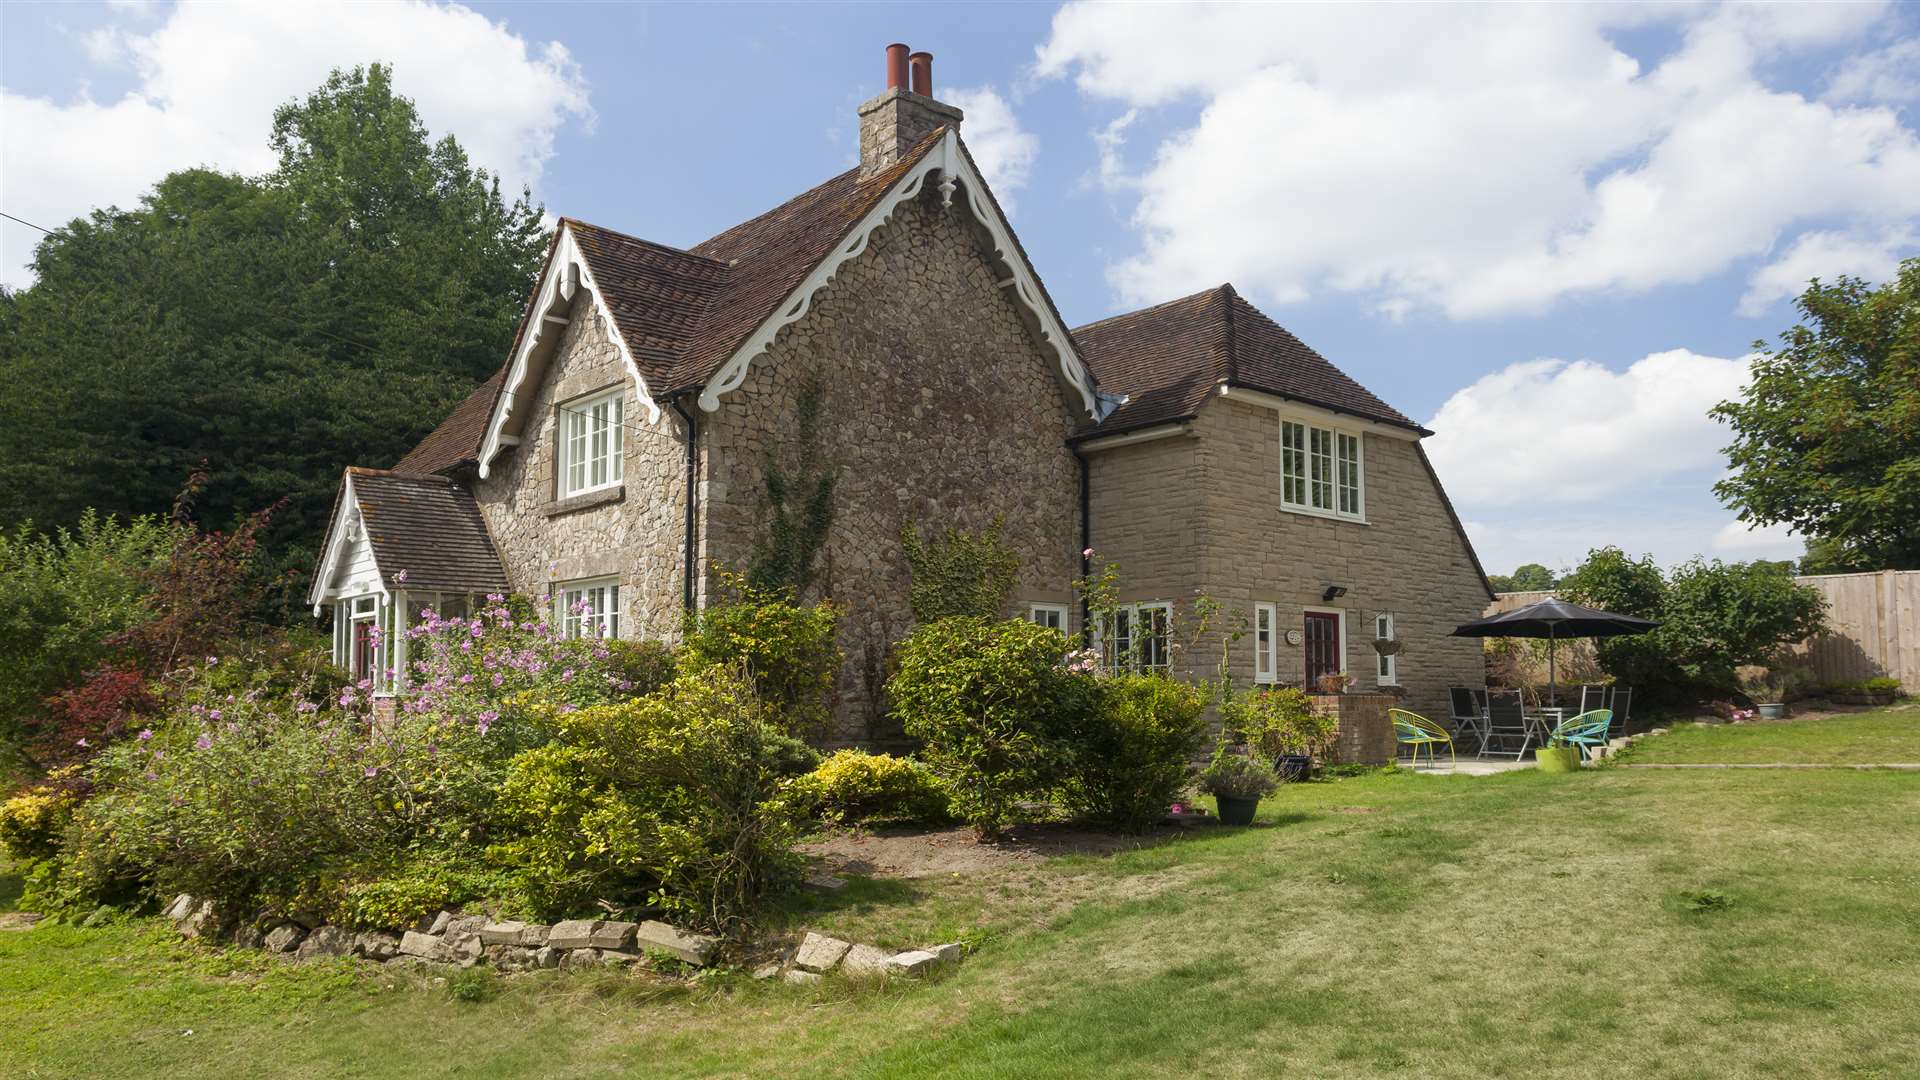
(586, 500)
(1327, 515)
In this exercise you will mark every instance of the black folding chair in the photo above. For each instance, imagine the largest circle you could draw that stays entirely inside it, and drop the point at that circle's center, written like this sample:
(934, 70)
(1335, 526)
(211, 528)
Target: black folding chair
(1469, 714)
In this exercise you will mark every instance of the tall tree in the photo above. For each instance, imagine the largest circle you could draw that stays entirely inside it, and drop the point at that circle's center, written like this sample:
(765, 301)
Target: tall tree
(1527, 577)
(278, 327)
(1827, 438)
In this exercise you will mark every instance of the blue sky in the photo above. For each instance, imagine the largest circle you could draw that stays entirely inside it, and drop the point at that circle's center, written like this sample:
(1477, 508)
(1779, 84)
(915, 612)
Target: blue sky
(1551, 233)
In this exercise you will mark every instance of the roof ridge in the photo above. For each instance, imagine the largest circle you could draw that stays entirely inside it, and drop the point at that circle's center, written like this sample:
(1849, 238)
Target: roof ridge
(1145, 310)
(401, 474)
(1226, 294)
(655, 244)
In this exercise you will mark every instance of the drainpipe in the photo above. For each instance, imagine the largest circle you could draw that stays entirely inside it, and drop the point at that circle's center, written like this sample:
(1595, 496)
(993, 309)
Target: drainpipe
(693, 497)
(1086, 542)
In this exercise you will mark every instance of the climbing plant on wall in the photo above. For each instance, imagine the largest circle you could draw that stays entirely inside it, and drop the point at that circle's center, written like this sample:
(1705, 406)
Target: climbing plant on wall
(959, 573)
(799, 507)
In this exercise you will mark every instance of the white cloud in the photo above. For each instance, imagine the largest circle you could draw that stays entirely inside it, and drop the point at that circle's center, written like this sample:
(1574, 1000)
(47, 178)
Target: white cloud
(210, 75)
(1891, 74)
(1479, 160)
(1550, 431)
(1672, 534)
(1826, 255)
(1003, 149)
(1741, 540)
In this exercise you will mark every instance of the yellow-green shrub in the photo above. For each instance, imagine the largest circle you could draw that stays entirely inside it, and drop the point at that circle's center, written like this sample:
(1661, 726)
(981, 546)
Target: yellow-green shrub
(31, 823)
(786, 648)
(853, 785)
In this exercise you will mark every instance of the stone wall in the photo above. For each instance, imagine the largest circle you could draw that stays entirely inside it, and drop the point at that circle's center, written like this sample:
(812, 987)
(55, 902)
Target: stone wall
(1365, 735)
(633, 532)
(936, 407)
(1200, 513)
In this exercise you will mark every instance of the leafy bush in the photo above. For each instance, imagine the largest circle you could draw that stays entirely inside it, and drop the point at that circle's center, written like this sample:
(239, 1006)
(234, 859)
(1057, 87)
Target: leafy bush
(671, 796)
(1882, 685)
(31, 822)
(992, 702)
(787, 649)
(853, 785)
(436, 879)
(1279, 721)
(1714, 619)
(1133, 752)
(1235, 776)
(65, 597)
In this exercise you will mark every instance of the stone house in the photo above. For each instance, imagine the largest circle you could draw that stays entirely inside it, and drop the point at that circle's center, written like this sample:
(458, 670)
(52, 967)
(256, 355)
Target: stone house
(887, 330)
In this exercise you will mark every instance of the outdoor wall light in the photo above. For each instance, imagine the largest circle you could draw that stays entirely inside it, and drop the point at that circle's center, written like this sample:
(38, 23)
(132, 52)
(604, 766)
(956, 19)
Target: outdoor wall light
(1334, 592)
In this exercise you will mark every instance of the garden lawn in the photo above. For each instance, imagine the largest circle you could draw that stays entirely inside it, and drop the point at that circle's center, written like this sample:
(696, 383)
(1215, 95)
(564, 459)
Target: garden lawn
(1609, 923)
(1881, 737)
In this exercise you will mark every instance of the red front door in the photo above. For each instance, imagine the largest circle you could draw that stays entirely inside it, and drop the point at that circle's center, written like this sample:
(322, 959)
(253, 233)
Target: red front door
(1323, 645)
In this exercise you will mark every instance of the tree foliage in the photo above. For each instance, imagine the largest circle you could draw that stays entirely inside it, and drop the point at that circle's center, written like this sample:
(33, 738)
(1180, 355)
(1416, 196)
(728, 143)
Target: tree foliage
(1827, 437)
(1528, 577)
(279, 327)
(1714, 617)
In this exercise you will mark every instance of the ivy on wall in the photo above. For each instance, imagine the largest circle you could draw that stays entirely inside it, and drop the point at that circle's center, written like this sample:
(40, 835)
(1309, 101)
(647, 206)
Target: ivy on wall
(799, 508)
(959, 573)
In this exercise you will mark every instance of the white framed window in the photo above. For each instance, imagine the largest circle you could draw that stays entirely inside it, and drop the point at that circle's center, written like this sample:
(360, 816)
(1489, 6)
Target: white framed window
(1386, 668)
(362, 639)
(588, 608)
(1051, 616)
(1322, 470)
(590, 442)
(1265, 618)
(1138, 637)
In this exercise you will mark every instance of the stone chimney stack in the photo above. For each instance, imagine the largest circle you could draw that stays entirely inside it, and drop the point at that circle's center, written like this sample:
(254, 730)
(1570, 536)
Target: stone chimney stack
(902, 115)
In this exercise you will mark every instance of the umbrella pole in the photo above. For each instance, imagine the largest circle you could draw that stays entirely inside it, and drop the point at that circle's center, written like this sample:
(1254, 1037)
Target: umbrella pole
(1553, 673)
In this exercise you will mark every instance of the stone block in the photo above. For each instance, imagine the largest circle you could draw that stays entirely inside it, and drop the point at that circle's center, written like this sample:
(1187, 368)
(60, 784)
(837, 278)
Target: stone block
(425, 946)
(502, 933)
(376, 945)
(439, 923)
(613, 959)
(946, 956)
(545, 957)
(248, 936)
(325, 941)
(767, 970)
(612, 935)
(283, 938)
(912, 962)
(865, 962)
(572, 934)
(818, 952)
(180, 908)
(692, 948)
(535, 937)
(802, 978)
(204, 920)
(580, 959)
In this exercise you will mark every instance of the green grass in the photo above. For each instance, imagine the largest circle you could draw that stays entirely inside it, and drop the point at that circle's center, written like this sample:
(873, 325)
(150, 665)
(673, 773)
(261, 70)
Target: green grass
(1881, 737)
(1610, 923)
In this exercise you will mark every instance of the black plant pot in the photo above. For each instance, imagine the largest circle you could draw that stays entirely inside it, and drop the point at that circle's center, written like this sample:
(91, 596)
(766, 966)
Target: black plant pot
(1236, 811)
(1294, 768)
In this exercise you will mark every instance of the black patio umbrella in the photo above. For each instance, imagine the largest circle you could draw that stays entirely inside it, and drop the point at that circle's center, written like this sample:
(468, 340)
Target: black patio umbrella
(1553, 620)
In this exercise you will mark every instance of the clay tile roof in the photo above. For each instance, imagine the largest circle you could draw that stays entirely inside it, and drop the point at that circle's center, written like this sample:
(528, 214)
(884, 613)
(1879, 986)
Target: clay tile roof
(1170, 357)
(684, 313)
(431, 528)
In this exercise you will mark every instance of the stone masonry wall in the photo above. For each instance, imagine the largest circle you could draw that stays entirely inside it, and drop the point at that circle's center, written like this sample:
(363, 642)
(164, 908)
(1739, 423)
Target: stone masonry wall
(633, 531)
(1407, 559)
(937, 407)
(1147, 503)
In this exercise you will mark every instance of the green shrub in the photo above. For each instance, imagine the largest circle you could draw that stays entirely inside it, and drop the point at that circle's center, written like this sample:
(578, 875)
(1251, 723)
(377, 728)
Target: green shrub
(787, 649)
(1278, 721)
(33, 822)
(1131, 755)
(992, 702)
(667, 799)
(403, 895)
(640, 667)
(959, 574)
(473, 985)
(1882, 685)
(853, 785)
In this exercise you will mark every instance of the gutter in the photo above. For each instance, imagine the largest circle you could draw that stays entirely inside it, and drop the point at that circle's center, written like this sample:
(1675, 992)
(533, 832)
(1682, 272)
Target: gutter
(689, 557)
(1086, 544)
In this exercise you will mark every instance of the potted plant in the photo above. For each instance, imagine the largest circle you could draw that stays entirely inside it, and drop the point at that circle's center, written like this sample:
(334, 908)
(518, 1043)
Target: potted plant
(1338, 682)
(1237, 783)
(1768, 689)
(1557, 756)
(1281, 726)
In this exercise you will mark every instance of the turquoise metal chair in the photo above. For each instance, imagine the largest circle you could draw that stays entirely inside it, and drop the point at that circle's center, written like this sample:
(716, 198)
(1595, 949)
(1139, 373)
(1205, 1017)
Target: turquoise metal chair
(1414, 730)
(1586, 731)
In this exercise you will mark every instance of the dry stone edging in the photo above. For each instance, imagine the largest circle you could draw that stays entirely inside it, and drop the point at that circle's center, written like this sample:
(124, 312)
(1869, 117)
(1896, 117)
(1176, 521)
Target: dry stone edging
(819, 955)
(451, 940)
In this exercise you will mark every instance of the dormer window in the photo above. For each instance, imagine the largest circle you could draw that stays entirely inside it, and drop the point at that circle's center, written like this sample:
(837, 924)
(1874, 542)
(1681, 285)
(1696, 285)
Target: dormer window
(590, 443)
(1321, 471)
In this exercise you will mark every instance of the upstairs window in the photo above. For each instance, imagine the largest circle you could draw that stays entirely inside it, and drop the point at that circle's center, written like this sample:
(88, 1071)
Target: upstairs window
(1321, 470)
(588, 609)
(590, 443)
